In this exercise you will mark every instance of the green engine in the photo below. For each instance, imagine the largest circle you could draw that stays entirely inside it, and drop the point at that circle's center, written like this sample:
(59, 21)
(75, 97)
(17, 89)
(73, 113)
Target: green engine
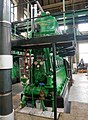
(46, 25)
(40, 86)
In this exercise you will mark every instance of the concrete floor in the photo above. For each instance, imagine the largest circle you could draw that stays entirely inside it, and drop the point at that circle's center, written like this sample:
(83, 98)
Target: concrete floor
(16, 88)
(16, 92)
(78, 97)
(79, 89)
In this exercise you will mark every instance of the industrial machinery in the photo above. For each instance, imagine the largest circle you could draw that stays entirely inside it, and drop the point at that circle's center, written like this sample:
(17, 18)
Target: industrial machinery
(46, 25)
(82, 67)
(16, 66)
(40, 84)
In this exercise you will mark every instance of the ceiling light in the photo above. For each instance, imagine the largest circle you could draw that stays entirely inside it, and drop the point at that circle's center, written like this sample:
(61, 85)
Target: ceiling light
(81, 15)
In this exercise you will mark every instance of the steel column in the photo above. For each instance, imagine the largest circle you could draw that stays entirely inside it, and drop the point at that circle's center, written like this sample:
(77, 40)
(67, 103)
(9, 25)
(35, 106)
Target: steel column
(64, 21)
(70, 68)
(6, 107)
(54, 80)
(33, 15)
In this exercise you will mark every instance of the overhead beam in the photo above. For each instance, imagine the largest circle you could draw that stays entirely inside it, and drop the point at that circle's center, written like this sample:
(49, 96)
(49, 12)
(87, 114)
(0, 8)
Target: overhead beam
(61, 4)
(54, 5)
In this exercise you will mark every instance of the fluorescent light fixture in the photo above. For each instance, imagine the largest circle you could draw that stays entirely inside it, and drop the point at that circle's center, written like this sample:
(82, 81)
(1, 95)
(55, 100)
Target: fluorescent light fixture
(81, 15)
(83, 27)
(62, 28)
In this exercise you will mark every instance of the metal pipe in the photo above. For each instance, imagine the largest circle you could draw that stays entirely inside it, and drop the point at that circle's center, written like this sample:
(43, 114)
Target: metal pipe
(24, 3)
(6, 107)
(27, 18)
(33, 17)
(70, 68)
(74, 28)
(28, 10)
(39, 6)
(54, 80)
(64, 15)
(74, 21)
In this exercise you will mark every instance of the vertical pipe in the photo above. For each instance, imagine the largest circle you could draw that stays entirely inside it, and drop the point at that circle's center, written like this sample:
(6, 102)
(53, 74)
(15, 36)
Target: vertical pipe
(32, 20)
(35, 11)
(14, 31)
(28, 10)
(39, 6)
(74, 29)
(33, 15)
(25, 61)
(27, 28)
(54, 80)
(6, 107)
(30, 60)
(27, 18)
(70, 68)
(75, 39)
(20, 10)
(64, 16)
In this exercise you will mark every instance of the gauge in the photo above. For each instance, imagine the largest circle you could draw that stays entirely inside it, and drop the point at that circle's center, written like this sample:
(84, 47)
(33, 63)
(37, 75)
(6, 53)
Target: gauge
(35, 63)
(41, 63)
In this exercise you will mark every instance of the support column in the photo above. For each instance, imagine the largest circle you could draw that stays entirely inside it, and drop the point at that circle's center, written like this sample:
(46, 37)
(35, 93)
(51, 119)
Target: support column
(20, 10)
(54, 80)
(6, 107)
(70, 68)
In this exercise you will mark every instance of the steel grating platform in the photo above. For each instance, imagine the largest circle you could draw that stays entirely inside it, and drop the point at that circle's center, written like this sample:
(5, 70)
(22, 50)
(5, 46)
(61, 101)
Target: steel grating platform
(65, 43)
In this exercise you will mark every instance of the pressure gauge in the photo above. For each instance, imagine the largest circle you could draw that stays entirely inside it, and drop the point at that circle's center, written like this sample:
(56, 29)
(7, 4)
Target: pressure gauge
(35, 63)
(41, 63)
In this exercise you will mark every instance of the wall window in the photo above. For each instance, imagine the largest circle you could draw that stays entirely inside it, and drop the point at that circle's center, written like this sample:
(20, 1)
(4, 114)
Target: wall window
(13, 13)
(83, 52)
